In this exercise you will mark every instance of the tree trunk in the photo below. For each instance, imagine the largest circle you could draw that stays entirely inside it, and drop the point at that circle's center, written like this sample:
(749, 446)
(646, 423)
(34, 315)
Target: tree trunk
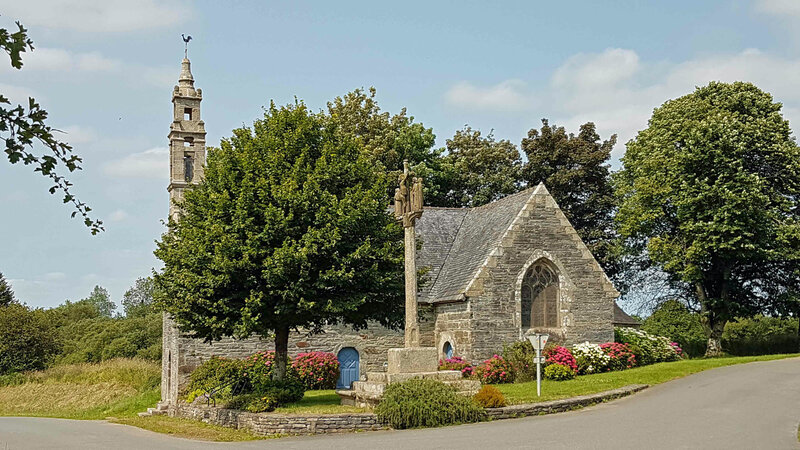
(714, 346)
(281, 353)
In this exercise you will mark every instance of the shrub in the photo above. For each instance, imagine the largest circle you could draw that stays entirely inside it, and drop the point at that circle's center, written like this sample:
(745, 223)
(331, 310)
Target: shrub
(290, 390)
(425, 403)
(495, 370)
(218, 372)
(490, 397)
(760, 335)
(559, 372)
(259, 367)
(674, 321)
(621, 355)
(28, 340)
(457, 363)
(317, 370)
(647, 348)
(520, 354)
(253, 402)
(590, 358)
(560, 355)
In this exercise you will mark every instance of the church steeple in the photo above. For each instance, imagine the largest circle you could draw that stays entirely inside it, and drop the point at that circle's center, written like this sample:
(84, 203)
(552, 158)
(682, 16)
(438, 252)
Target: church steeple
(187, 137)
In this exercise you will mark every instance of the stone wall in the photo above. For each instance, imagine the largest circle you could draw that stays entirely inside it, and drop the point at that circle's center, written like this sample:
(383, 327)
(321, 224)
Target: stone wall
(586, 295)
(272, 424)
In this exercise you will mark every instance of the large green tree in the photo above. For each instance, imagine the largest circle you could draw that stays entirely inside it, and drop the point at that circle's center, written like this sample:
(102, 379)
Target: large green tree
(6, 293)
(389, 139)
(289, 230)
(22, 128)
(101, 299)
(711, 187)
(477, 170)
(575, 170)
(138, 299)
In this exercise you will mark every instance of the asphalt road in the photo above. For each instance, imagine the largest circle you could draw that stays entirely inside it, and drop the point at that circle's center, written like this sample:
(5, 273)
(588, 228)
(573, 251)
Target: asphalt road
(747, 406)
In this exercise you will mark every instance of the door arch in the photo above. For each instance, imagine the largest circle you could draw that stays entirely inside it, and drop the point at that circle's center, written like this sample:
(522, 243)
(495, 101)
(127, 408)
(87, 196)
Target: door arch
(348, 367)
(448, 350)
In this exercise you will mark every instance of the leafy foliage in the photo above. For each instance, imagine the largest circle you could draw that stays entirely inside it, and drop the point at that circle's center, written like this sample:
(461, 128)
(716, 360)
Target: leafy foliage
(760, 335)
(289, 229)
(490, 397)
(6, 293)
(620, 355)
(709, 192)
(520, 354)
(101, 300)
(495, 370)
(557, 354)
(317, 370)
(591, 358)
(457, 363)
(558, 372)
(22, 128)
(477, 170)
(138, 299)
(28, 340)
(425, 403)
(575, 170)
(216, 373)
(647, 348)
(673, 320)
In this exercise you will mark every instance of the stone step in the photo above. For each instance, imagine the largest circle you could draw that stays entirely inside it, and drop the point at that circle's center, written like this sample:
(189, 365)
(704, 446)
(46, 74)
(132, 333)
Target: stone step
(156, 412)
(143, 414)
(441, 375)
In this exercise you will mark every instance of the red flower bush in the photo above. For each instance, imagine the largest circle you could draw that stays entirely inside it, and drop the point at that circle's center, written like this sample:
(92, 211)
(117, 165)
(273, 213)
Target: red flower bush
(560, 355)
(317, 370)
(678, 349)
(622, 356)
(457, 363)
(495, 370)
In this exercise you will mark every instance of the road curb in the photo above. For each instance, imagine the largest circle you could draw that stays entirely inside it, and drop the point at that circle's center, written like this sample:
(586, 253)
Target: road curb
(567, 404)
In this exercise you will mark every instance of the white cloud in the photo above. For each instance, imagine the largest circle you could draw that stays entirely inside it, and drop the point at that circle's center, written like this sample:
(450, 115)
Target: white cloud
(57, 59)
(508, 95)
(153, 163)
(592, 71)
(118, 216)
(108, 16)
(76, 134)
(54, 276)
(19, 94)
(778, 7)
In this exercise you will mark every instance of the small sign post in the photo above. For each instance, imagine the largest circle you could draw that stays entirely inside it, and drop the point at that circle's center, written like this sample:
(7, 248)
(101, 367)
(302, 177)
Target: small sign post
(538, 341)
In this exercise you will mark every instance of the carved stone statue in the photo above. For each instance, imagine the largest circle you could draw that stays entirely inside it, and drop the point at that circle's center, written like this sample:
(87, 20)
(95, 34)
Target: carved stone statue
(408, 197)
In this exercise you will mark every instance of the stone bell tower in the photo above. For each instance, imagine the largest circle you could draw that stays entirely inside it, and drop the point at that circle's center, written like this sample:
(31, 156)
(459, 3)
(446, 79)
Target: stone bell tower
(187, 137)
(187, 158)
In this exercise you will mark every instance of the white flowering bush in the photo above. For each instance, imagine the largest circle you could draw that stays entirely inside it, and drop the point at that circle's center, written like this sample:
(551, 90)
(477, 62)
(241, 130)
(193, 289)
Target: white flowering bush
(647, 348)
(591, 358)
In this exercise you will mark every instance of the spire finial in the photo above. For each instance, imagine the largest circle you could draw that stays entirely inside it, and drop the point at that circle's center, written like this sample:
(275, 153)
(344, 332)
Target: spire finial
(186, 40)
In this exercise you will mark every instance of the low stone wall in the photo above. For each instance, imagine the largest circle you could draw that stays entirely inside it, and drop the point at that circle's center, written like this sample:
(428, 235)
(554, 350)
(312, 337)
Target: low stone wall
(567, 404)
(265, 424)
(270, 424)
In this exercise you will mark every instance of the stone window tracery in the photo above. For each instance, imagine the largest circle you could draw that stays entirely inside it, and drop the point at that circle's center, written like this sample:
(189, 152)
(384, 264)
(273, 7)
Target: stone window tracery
(540, 297)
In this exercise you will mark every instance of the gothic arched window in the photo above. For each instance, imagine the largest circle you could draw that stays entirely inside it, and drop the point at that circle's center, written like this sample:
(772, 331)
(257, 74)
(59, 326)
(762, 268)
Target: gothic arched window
(540, 297)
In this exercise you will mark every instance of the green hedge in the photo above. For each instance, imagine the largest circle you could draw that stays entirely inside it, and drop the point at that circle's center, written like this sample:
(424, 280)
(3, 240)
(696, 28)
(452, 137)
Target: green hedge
(425, 403)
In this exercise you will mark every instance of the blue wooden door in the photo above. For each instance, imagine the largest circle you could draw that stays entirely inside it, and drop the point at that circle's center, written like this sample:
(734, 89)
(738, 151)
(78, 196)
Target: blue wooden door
(348, 367)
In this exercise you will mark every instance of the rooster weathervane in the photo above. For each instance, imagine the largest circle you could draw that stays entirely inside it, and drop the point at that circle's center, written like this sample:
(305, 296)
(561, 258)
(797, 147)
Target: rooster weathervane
(186, 40)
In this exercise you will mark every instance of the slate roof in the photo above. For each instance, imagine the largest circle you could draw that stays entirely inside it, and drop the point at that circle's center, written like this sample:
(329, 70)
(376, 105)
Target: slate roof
(621, 318)
(457, 241)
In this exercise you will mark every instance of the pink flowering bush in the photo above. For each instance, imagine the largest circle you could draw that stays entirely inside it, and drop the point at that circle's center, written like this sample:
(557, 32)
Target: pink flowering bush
(317, 370)
(495, 370)
(621, 356)
(259, 367)
(560, 355)
(678, 350)
(457, 363)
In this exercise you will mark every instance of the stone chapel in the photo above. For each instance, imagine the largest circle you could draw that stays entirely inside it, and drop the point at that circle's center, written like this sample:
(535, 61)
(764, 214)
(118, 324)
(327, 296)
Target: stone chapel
(497, 273)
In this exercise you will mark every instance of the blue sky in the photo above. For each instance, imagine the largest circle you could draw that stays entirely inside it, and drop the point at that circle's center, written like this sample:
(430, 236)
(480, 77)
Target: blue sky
(104, 69)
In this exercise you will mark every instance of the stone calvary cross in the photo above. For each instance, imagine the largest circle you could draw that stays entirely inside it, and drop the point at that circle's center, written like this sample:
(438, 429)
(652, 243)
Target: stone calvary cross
(407, 209)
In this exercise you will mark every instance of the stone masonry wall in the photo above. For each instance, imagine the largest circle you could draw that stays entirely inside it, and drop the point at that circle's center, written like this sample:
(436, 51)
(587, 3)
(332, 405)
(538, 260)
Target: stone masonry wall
(454, 324)
(586, 295)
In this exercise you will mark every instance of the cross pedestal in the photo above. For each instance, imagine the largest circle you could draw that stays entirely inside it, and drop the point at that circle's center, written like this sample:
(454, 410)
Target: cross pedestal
(412, 361)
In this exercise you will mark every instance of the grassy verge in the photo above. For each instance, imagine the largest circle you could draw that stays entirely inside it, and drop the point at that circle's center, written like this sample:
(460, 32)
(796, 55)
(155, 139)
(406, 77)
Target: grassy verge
(319, 402)
(115, 389)
(189, 429)
(118, 387)
(590, 384)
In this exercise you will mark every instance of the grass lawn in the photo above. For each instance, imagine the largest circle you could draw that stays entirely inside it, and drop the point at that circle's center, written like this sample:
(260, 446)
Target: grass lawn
(319, 402)
(590, 384)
